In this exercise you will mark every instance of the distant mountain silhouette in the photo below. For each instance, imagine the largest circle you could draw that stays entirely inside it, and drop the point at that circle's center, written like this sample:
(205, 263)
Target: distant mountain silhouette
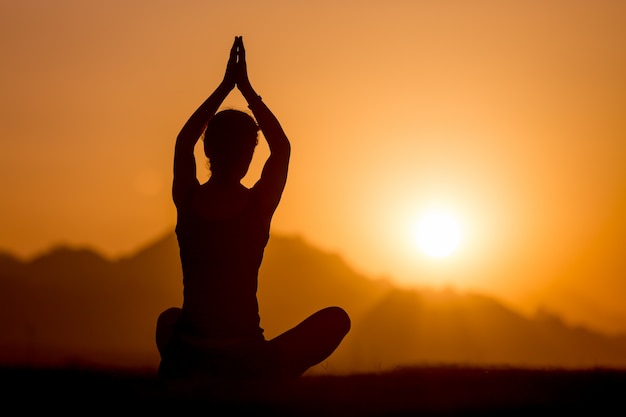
(72, 306)
(445, 327)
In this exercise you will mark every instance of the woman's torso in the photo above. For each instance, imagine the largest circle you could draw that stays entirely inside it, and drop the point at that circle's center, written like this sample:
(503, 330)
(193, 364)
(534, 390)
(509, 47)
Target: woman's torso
(221, 236)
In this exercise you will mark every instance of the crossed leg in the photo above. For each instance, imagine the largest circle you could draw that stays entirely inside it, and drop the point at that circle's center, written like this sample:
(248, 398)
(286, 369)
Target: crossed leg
(311, 341)
(296, 350)
(165, 327)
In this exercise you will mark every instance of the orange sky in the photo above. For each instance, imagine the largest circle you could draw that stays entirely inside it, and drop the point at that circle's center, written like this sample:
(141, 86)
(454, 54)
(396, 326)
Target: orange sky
(510, 113)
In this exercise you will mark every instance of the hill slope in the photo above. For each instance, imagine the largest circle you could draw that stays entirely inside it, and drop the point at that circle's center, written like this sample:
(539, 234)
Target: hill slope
(73, 306)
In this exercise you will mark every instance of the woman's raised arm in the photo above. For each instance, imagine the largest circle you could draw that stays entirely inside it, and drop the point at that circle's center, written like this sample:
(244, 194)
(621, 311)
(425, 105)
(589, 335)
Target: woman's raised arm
(274, 174)
(184, 159)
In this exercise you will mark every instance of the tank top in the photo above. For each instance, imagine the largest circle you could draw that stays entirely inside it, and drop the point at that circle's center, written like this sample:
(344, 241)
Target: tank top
(220, 263)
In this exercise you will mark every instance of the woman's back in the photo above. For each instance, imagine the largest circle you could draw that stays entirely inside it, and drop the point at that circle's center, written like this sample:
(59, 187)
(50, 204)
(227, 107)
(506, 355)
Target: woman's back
(221, 249)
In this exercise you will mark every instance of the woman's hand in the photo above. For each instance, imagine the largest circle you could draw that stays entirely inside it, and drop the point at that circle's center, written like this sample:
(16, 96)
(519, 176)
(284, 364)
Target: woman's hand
(243, 83)
(230, 78)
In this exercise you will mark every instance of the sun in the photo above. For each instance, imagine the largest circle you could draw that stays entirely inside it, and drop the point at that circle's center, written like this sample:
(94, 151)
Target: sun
(438, 233)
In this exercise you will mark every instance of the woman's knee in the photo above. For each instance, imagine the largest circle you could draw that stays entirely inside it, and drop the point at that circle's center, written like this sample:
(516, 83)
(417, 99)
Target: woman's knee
(338, 319)
(165, 327)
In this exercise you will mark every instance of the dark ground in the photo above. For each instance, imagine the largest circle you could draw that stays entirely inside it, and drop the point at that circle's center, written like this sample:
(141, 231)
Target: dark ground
(411, 391)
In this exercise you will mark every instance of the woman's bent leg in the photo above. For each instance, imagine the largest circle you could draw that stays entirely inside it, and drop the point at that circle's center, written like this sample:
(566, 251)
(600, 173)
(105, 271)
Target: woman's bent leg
(311, 341)
(165, 327)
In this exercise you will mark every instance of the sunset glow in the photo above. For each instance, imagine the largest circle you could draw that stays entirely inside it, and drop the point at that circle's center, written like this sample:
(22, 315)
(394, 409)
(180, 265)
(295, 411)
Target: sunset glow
(512, 113)
(438, 233)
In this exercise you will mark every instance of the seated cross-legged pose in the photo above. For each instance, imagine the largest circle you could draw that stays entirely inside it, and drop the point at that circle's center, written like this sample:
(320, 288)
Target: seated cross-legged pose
(222, 230)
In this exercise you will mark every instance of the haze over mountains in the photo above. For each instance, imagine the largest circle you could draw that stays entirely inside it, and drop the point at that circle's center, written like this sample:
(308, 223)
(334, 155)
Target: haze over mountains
(72, 306)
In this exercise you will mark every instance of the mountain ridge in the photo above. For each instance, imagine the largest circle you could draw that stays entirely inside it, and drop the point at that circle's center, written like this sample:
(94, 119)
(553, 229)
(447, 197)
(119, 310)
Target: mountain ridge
(72, 304)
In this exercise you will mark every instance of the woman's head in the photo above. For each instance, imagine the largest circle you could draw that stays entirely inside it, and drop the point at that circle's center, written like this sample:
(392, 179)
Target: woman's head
(229, 141)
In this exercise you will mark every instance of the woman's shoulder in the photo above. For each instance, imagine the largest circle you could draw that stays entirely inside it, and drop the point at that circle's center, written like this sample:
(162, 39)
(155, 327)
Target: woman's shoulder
(215, 204)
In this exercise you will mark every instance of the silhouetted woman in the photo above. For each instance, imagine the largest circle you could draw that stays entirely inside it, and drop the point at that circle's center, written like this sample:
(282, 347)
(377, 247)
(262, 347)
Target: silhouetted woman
(222, 229)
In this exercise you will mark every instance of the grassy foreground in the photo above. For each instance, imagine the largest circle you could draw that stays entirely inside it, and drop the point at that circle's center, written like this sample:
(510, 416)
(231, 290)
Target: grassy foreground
(413, 391)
